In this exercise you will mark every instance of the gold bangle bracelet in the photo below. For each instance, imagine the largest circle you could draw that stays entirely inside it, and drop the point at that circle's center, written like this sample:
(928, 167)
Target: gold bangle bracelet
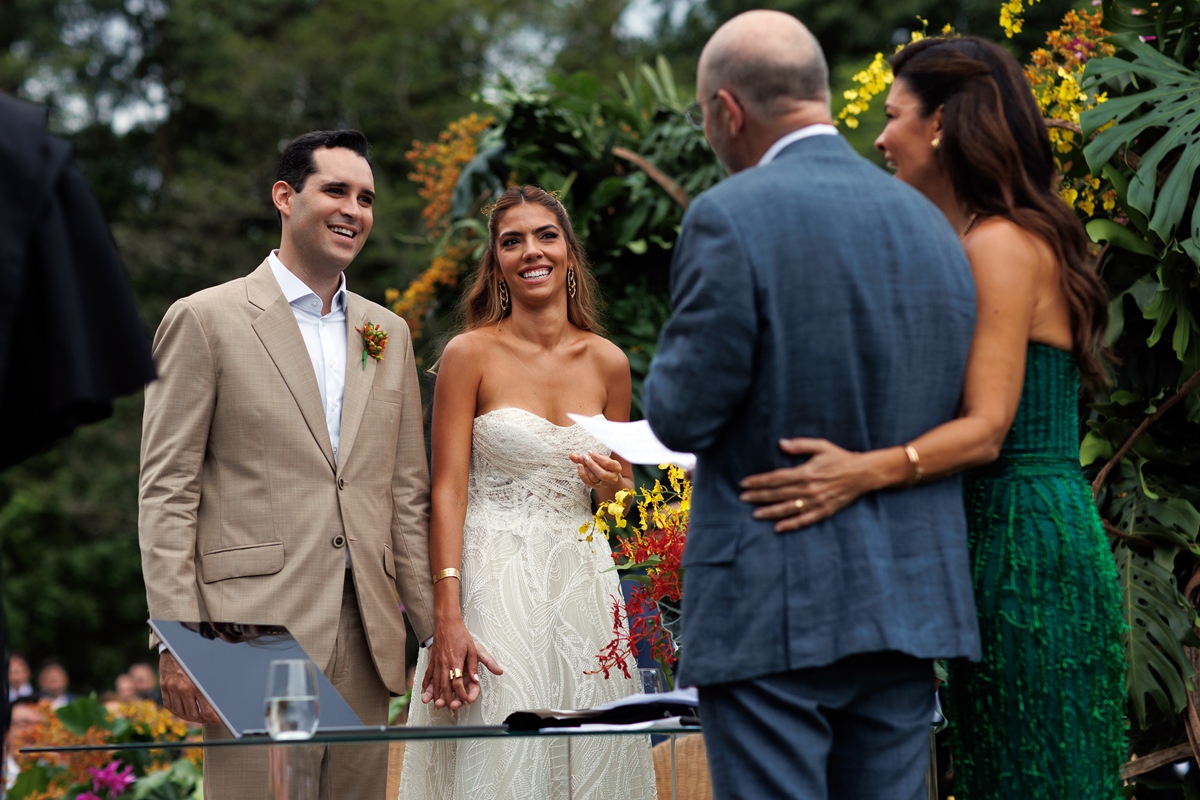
(448, 572)
(914, 463)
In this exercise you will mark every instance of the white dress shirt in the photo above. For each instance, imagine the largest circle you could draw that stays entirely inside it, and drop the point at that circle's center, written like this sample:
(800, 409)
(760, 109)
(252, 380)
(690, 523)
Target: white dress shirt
(820, 129)
(325, 338)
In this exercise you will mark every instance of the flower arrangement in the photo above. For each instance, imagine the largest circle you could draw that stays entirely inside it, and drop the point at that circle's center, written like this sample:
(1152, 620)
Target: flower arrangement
(101, 775)
(650, 553)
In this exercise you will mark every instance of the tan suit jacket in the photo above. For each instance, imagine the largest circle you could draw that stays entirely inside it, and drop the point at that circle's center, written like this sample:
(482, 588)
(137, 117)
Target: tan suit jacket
(243, 513)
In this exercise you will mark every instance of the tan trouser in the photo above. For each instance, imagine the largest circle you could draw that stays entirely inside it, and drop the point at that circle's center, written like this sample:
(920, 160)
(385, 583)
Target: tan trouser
(346, 771)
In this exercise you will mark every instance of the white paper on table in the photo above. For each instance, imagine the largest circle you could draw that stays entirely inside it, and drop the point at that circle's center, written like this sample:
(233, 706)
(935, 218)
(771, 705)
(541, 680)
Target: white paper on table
(633, 441)
(666, 723)
(687, 696)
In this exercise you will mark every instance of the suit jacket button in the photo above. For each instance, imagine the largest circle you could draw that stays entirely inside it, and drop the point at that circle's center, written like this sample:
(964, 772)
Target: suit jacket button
(339, 541)
(341, 483)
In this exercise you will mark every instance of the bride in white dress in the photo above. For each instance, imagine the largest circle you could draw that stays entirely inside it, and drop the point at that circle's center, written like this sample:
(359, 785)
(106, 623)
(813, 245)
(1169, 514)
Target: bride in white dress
(512, 484)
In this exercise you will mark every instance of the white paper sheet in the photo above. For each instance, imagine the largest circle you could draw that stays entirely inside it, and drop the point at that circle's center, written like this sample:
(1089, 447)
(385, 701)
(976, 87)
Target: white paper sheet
(687, 696)
(633, 441)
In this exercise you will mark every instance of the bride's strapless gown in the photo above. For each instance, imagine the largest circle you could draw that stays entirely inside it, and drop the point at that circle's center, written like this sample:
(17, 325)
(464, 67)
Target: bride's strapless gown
(540, 600)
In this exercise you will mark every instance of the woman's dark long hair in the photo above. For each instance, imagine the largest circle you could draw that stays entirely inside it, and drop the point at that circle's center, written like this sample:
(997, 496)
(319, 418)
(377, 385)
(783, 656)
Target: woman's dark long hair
(481, 304)
(995, 148)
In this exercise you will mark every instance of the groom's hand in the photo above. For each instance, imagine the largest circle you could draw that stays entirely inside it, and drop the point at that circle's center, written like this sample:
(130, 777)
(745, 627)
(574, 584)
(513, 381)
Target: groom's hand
(179, 695)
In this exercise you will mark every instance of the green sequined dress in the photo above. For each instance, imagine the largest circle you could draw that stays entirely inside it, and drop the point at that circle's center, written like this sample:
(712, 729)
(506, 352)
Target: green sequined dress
(1041, 716)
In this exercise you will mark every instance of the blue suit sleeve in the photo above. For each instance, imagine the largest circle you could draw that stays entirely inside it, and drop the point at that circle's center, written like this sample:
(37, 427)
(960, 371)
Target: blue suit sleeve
(704, 363)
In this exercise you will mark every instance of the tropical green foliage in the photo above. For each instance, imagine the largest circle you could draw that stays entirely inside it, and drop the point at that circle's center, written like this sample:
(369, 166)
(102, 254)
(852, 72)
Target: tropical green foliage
(1143, 439)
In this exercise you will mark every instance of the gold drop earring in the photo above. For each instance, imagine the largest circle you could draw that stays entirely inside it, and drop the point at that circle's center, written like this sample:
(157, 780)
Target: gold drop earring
(937, 142)
(504, 297)
(571, 282)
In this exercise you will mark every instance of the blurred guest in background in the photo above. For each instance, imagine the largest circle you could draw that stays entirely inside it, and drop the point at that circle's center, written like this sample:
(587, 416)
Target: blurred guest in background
(126, 689)
(145, 682)
(18, 677)
(52, 684)
(26, 712)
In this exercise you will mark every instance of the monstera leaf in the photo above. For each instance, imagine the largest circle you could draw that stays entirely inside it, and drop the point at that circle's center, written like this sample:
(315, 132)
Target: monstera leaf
(1159, 623)
(1166, 104)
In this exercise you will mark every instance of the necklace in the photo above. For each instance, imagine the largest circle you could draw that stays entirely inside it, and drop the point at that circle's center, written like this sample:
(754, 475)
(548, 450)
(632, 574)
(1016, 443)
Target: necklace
(967, 229)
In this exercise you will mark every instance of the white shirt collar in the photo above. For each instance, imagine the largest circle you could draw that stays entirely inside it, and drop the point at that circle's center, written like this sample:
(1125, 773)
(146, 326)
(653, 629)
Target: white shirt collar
(820, 129)
(295, 289)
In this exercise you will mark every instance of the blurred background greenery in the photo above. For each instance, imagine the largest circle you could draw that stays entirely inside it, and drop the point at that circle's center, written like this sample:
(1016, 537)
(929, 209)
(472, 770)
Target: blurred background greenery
(178, 109)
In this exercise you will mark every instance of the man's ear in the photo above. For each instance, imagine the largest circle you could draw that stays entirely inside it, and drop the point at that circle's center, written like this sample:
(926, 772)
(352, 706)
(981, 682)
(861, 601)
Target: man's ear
(732, 115)
(281, 195)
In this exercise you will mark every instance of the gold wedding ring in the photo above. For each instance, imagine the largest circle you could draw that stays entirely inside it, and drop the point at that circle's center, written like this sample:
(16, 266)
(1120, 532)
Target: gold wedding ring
(799, 504)
(455, 673)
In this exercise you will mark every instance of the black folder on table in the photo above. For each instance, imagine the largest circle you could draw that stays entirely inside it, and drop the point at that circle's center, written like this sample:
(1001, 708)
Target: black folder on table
(228, 662)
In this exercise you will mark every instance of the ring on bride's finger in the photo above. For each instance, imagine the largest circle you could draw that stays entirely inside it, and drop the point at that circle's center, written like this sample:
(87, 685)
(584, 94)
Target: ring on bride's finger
(455, 673)
(799, 504)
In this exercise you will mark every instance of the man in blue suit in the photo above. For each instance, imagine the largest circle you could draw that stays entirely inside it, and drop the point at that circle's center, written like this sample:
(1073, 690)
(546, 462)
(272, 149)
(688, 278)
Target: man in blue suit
(813, 296)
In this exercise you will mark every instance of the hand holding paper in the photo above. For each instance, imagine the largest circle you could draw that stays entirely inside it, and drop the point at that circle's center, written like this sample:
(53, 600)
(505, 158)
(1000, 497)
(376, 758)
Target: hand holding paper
(633, 441)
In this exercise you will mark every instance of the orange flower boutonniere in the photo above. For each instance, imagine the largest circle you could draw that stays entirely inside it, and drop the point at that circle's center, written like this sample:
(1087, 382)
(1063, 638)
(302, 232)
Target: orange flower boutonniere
(374, 342)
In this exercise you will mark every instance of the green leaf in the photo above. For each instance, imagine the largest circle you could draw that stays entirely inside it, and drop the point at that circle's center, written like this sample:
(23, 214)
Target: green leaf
(81, 715)
(1106, 230)
(33, 780)
(637, 247)
(1094, 447)
(1170, 107)
(1154, 514)
(1158, 620)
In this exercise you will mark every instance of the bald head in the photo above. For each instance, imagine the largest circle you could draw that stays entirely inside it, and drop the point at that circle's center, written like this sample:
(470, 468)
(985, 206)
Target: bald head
(768, 59)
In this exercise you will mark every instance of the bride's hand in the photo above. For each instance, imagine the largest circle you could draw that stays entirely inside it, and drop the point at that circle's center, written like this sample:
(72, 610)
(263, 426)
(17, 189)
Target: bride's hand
(597, 471)
(452, 677)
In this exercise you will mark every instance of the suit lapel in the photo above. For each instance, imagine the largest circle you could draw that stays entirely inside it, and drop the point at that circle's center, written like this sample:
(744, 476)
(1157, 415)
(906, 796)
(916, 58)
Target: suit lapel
(359, 378)
(277, 329)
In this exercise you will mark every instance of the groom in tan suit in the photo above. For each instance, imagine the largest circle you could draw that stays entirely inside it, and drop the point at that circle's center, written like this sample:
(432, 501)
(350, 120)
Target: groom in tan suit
(284, 478)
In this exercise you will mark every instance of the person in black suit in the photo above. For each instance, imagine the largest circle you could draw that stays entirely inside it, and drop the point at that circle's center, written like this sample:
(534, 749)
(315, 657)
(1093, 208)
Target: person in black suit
(71, 339)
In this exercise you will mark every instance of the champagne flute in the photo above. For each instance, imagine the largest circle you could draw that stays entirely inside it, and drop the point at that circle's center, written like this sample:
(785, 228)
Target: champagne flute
(292, 707)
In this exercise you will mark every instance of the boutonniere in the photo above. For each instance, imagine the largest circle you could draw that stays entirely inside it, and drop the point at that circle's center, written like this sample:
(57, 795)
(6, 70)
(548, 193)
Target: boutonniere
(374, 342)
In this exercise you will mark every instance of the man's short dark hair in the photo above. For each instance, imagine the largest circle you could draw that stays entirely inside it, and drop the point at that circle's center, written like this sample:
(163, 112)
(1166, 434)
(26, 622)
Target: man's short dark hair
(296, 163)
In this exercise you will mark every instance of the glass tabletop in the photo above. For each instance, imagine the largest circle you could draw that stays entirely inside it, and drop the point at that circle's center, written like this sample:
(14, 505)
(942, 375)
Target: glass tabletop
(383, 734)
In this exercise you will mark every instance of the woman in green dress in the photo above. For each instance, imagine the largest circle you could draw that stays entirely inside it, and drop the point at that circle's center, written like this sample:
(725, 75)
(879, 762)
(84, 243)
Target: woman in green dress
(1041, 716)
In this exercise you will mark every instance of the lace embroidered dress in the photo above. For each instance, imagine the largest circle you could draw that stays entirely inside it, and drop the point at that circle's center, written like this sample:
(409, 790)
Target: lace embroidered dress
(540, 601)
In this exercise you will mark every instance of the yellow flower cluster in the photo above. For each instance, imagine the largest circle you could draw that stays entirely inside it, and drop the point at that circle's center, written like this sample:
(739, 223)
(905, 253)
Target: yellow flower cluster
(874, 80)
(1012, 16)
(1056, 74)
(656, 509)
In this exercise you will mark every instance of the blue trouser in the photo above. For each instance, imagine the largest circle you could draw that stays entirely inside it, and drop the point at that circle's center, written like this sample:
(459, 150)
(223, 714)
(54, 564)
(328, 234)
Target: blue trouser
(857, 729)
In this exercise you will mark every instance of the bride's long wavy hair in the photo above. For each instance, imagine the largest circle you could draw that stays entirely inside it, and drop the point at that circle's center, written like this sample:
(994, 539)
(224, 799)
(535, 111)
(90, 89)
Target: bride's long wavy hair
(997, 153)
(481, 304)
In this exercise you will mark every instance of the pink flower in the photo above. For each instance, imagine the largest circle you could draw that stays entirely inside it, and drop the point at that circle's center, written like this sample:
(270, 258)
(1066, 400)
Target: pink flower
(87, 795)
(112, 780)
